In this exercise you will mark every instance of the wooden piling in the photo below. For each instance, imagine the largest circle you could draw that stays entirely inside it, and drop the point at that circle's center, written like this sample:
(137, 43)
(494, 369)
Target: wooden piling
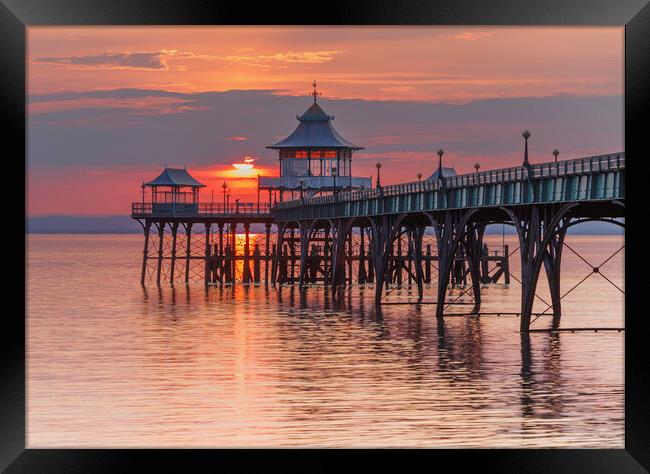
(246, 272)
(267, 250)
(257, 262)
(206, 274)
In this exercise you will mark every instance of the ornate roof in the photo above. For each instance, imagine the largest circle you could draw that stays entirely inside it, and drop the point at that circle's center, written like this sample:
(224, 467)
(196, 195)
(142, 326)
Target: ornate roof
(175, 177)
(315, 130)
(446, 172)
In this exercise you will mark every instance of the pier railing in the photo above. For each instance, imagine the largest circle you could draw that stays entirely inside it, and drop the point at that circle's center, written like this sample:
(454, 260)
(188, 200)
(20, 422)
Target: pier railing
(314, 182)
(599, 163)
(203, 209)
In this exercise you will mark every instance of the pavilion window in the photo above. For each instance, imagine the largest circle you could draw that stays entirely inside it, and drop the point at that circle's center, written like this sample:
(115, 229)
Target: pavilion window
(316, 168)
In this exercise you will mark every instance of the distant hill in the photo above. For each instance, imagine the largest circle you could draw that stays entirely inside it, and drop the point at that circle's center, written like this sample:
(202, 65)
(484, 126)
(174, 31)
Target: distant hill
(126, 225)
(82, 225)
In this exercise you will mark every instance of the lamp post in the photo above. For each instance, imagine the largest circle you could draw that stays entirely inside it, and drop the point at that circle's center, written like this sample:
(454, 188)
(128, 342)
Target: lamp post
(440, 153)
(477, 166)
(556, 152)
(224, 186)
(526, 135)
(334, 173)
(378, 165)
(419, 176)
(302, 196)
(143, 196)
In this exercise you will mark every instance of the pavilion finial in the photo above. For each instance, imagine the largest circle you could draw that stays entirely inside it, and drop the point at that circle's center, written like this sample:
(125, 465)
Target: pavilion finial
(315, 93)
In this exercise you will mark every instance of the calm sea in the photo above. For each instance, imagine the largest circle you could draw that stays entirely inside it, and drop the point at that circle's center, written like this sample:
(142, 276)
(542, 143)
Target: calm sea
(111, 364)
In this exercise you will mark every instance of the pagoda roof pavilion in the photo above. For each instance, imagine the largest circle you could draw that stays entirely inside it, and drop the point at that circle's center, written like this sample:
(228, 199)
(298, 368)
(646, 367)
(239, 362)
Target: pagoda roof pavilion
(315, 130)
(446, 172)
(175, 177)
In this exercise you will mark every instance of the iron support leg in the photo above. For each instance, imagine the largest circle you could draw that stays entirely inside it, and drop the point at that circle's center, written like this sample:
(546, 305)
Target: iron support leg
(145, 252)
(188, 252)
(161, 236)
(173, 260)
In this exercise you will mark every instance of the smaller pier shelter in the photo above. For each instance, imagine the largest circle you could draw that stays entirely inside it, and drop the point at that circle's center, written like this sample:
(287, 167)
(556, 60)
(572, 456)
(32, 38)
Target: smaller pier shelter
(174, 191)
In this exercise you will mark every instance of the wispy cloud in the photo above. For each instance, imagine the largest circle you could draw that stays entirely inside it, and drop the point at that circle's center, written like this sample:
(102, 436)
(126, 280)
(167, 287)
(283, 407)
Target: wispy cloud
(398, 89)
(266, 60)
(143, 60)
(146, 105)
(160, 60)
(304, 56)
(469, 35)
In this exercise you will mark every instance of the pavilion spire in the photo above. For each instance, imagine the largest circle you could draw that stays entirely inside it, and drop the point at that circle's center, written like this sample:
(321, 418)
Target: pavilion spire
(315, 93)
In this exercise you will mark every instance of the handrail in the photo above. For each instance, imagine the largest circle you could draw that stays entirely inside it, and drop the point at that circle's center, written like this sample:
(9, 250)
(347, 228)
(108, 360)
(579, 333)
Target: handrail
(204, 208)
(608, 162)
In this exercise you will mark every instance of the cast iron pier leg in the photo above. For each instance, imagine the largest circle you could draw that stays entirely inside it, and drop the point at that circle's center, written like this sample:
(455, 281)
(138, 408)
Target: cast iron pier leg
(161, 236)
(145, 253)
(172, 269)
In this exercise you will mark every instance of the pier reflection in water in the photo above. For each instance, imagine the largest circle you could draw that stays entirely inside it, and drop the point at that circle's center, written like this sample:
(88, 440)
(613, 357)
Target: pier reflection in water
(111, 364)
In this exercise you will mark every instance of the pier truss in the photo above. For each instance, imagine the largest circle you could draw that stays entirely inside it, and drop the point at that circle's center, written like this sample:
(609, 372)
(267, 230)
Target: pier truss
(445, 250)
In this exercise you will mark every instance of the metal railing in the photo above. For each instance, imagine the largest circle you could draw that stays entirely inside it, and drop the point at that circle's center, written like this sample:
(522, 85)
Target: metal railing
(203, 209)
(308, 182)
(599, 163)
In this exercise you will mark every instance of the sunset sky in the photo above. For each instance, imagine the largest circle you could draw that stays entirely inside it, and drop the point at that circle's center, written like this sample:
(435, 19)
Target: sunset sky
(108, 107)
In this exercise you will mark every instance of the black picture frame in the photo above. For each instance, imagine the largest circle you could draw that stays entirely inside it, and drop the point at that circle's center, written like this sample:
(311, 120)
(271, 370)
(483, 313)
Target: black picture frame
(17, 15)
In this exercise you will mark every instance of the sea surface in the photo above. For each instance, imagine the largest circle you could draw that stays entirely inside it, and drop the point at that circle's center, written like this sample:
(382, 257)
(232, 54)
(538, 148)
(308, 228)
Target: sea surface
(111, 364)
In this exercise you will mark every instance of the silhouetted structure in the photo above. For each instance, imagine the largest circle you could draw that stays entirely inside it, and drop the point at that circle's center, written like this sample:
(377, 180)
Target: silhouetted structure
(359, 234)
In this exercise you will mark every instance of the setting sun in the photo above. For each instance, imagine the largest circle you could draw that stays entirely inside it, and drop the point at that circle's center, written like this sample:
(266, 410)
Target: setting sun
(245, 169)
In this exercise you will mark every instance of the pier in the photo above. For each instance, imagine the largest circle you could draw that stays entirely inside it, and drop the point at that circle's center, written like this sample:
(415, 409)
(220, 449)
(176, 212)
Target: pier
(376, 235)
(343, 231)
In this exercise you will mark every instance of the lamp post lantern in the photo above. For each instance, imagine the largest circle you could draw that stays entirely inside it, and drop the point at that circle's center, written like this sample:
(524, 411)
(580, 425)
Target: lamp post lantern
(440, 153)
(378, 165)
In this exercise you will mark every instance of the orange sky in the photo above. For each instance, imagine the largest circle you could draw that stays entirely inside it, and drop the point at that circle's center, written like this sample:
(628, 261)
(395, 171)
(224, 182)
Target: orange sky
(403, 63)
(420, 64)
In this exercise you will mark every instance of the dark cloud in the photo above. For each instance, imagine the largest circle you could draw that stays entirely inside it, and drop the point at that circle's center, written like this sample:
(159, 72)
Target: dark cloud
(110, 60)
(404, 135)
